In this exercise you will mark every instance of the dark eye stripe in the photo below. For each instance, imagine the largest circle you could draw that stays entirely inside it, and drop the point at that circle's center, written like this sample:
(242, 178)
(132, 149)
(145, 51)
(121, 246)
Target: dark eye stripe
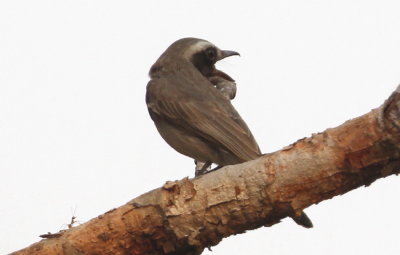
(211, 54)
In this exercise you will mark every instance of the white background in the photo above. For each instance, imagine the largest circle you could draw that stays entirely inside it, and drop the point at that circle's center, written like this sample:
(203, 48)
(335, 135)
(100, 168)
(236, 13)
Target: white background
(76, 138)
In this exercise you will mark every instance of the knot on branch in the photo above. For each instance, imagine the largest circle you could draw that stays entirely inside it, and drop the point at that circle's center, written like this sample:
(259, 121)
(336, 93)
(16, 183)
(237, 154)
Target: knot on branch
(389, 117)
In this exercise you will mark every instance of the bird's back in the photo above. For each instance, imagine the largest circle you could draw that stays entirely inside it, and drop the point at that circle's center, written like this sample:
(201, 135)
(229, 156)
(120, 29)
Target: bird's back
(196, 107)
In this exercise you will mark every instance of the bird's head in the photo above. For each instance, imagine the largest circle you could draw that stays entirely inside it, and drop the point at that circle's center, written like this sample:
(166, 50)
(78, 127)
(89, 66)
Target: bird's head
(201, 53)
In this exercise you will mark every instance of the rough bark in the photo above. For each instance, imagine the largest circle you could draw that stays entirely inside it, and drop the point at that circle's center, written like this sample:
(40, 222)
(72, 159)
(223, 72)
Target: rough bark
(186, 216)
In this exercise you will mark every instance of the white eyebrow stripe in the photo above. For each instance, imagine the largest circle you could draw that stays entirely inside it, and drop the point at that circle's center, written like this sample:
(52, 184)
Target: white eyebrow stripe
(197, 47)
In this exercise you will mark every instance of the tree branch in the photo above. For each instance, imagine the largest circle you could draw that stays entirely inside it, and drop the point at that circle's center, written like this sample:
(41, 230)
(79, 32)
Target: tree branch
(186, 216)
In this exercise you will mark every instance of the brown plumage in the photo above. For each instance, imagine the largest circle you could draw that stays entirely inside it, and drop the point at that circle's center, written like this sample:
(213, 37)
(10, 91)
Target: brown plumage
(226, 87)
(191, 114)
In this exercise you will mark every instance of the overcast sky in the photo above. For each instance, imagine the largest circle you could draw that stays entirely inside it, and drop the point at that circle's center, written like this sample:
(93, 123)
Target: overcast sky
(76, 138)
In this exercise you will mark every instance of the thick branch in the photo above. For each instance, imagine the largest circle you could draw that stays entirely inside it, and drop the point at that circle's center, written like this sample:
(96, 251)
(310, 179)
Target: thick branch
(184, 217)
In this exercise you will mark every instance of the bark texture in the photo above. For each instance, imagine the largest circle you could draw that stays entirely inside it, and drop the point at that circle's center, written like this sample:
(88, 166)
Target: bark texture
(186, 216)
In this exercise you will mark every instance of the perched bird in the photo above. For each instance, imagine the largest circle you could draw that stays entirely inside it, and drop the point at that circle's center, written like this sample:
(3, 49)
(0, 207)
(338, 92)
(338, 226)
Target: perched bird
(192, 115)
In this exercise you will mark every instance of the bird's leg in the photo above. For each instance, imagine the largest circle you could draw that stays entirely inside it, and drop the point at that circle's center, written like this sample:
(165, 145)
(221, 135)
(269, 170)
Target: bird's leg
(215, 168)
(202, 167)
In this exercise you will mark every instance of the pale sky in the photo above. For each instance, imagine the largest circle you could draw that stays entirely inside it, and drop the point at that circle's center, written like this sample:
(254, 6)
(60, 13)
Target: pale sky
(76, 138)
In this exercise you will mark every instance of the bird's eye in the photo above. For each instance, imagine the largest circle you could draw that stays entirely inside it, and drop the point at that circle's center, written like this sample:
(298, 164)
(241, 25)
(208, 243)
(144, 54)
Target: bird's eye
(211, 54)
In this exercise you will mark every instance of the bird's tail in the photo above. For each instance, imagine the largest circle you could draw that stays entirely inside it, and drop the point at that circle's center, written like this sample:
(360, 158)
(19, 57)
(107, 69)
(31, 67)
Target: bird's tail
(303, 220)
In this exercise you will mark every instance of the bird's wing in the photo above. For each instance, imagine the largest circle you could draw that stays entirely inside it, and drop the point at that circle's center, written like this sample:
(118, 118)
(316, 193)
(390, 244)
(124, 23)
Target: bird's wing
(205, 112)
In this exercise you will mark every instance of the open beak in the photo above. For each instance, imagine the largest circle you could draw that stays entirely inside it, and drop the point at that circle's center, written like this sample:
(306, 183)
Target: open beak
(227, 53)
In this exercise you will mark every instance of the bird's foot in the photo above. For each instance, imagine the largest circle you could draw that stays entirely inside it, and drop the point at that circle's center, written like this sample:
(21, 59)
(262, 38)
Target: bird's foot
(202, 167)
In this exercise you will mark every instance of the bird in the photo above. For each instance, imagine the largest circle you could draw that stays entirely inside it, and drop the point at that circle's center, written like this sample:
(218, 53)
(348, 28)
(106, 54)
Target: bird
(192, 115)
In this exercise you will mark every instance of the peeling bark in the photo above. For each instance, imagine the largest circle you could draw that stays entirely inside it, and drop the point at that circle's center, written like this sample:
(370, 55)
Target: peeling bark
(186, 216)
